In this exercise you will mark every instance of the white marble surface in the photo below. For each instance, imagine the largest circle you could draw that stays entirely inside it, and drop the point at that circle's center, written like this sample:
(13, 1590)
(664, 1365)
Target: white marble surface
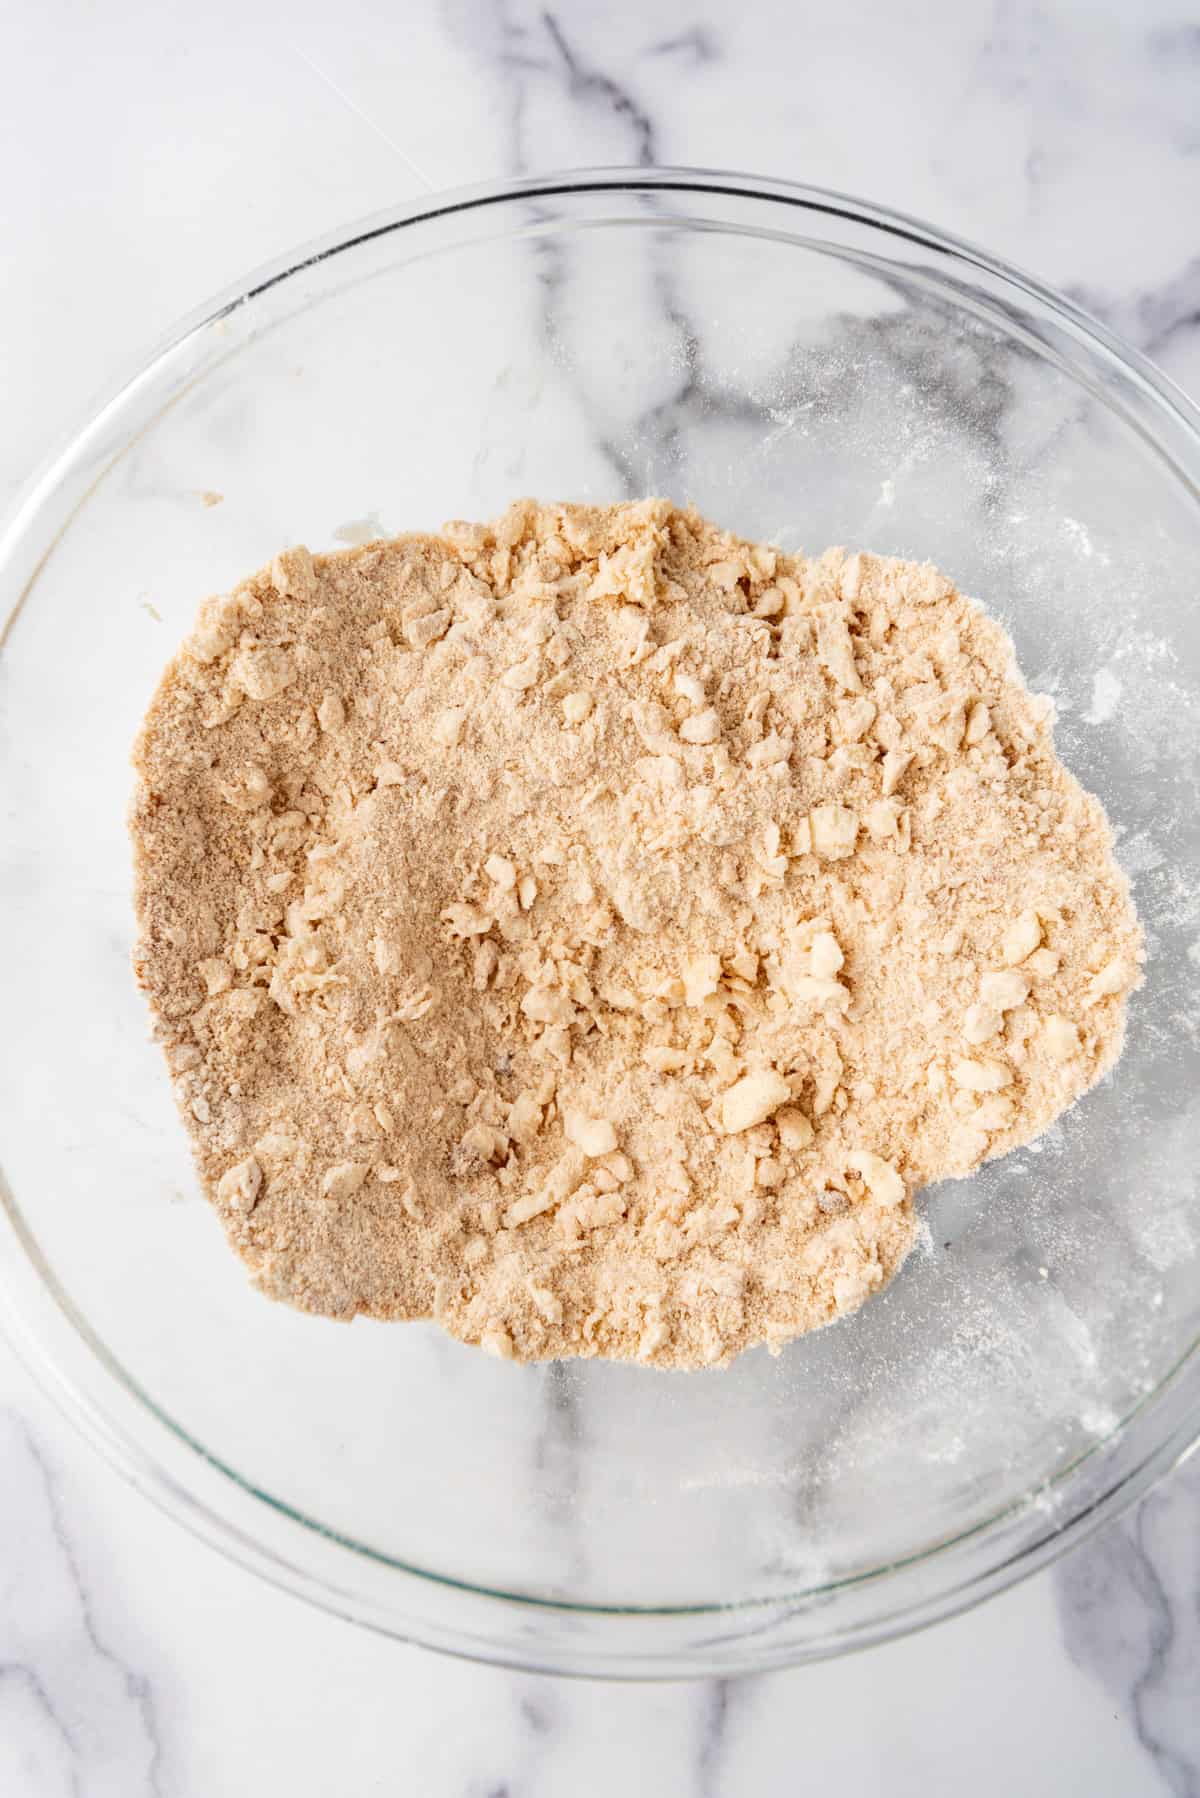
(151, 154)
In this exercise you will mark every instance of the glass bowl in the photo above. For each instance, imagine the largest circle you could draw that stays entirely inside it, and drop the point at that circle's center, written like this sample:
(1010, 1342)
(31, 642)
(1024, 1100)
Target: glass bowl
(805, 368)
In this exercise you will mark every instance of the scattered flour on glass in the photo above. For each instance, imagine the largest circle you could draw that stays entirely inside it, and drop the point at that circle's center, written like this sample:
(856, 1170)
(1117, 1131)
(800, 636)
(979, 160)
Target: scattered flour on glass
(1079, 534)
(357, 531)
(1106, 695)
(729, 1478)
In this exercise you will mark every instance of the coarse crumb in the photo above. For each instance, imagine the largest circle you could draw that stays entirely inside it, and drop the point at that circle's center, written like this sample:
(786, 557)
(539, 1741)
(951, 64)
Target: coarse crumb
(591, 930)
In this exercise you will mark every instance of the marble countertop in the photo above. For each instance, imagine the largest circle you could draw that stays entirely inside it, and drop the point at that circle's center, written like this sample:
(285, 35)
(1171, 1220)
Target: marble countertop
(153, 154)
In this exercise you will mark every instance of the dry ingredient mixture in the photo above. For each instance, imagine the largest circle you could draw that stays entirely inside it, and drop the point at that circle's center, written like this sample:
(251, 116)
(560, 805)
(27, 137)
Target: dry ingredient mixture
(591, 929)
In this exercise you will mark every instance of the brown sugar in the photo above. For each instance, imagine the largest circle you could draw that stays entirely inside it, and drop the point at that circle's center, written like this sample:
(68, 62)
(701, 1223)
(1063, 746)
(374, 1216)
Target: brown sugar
(591, 930)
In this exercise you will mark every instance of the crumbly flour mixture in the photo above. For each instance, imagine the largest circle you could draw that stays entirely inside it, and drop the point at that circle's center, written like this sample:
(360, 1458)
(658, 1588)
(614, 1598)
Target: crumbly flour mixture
(590, 929)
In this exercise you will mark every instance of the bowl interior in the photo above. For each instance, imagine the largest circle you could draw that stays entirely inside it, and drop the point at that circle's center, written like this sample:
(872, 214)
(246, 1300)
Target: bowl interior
(800, 374)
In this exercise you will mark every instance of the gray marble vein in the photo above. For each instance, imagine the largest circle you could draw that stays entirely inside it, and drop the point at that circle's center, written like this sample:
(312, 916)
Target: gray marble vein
(695, 45)
(66, 1698)
(716, 1698)
(542, 67)
(588, 85)
(1130, 1607)
(1153, 317)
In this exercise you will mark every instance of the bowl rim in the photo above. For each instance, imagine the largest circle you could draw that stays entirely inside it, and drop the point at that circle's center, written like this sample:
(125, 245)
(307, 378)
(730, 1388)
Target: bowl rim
(146, 1465)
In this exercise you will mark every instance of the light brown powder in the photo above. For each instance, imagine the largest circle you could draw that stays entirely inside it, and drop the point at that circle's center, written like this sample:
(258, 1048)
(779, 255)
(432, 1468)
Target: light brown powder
(591, 929)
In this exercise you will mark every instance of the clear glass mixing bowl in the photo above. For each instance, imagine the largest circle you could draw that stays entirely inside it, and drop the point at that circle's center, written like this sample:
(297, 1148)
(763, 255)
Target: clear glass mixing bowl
(805, 368)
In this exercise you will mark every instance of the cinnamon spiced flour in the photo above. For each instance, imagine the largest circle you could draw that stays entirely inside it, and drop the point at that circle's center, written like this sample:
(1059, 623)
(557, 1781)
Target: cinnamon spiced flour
(591, 930)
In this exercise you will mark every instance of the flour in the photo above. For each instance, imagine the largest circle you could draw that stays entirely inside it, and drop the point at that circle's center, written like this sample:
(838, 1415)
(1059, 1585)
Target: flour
(591, 929)
(1106, 696)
